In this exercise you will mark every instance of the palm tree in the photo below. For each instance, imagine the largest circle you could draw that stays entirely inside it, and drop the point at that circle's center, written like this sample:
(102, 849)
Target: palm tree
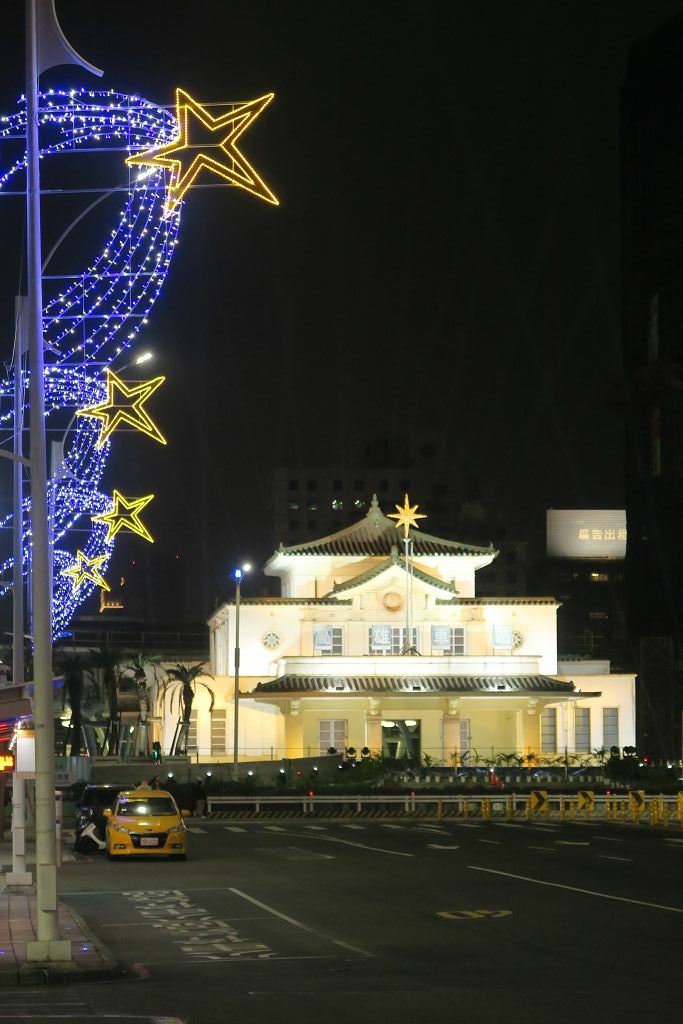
(108, 660)
(138, 664)
(182, 681)
(71, 665)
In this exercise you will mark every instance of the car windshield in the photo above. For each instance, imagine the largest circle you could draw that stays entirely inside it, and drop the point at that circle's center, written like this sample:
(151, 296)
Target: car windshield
(154, 806)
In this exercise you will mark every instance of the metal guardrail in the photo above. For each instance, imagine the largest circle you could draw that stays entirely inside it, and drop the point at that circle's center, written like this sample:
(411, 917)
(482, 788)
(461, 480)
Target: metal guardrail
(634, 806)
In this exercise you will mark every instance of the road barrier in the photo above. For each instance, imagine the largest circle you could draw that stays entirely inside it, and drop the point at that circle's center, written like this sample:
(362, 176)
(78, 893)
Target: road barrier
(633, 807)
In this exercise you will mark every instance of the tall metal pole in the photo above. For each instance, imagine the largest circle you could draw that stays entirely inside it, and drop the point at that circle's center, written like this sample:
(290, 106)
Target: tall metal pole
(235, 755)
(18, 517)
(18, 875)
(47, 945)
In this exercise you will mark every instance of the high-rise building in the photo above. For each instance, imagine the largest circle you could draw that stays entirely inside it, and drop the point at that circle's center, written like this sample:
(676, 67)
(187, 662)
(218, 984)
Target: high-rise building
(652, 287)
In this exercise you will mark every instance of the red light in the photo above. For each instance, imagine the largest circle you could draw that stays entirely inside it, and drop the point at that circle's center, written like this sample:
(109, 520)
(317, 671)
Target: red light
(298, 772)
(311, 793)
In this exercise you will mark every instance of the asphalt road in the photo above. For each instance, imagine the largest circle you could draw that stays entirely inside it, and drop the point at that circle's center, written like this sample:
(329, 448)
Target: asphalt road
(297, 921)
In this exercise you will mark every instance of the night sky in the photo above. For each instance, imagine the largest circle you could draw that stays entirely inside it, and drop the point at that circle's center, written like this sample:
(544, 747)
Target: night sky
(446, 254)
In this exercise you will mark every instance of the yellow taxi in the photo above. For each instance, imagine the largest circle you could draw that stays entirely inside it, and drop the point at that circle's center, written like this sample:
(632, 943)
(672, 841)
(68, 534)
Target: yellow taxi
(145, 822)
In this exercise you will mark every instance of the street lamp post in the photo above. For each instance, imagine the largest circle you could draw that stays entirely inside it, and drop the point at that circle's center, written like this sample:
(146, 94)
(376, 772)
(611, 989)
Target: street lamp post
(238, 575)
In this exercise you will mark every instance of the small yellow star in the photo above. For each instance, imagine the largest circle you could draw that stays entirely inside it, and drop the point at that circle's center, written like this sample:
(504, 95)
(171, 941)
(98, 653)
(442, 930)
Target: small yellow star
(87, 569)
(406, 516)
(220, 154)
(125, 516)
(113, 413)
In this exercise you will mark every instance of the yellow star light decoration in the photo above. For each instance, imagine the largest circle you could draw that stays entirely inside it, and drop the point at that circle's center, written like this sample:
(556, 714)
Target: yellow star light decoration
(125, 516)
(114, 412)
(407, 516)
(87, 569)
(220, 155)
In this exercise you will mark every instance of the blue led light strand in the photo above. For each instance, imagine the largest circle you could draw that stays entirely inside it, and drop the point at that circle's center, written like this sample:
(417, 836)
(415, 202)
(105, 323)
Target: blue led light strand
(93, 318)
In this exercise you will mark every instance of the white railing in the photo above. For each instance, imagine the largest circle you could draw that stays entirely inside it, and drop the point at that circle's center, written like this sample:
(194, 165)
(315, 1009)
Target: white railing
(634, 806)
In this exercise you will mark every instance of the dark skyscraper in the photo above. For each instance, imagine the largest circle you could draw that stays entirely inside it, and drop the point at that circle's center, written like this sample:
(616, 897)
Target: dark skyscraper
(652, 177)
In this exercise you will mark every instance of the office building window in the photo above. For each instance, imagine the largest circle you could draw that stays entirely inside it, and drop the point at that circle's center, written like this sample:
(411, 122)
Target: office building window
(549, 730)
(464, 739)
(448, 640)
(385, 640)
(218, 730)
(331, 734)
(582, 730)
(327, 640)
(610, 727)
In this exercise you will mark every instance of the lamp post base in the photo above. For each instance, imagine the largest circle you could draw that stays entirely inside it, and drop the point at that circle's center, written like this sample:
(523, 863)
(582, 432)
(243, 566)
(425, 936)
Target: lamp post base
(48, 950)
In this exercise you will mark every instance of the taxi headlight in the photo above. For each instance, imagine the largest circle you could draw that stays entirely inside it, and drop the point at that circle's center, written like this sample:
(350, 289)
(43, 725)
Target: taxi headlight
(121, 828)
(176, 828)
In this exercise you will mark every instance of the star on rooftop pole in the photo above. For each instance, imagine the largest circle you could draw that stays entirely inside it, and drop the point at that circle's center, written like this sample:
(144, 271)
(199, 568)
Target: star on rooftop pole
(87, 569)
(406, 516)
(219, 154)
(113, 413)
(125, 515)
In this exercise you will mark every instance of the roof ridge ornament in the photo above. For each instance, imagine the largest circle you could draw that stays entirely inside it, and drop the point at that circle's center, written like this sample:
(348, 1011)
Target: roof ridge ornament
(374, 512)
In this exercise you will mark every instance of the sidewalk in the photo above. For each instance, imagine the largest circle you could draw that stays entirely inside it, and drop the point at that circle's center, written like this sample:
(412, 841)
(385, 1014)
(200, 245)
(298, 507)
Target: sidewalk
(90, 960)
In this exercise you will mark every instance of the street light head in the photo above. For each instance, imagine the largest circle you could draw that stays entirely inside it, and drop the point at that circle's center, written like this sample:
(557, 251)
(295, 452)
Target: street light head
(238, 573)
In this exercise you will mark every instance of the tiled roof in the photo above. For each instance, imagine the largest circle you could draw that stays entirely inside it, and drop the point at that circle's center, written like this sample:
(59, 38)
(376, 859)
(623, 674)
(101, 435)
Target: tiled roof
(474, 601)
(415, 684)
(334, 601)
(377, 570)
(375, 535)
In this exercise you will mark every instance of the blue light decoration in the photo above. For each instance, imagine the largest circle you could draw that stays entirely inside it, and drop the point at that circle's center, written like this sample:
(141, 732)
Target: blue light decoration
(92, 320)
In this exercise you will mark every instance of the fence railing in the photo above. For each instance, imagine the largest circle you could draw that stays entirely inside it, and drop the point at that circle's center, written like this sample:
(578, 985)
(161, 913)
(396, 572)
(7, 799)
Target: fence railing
(634, 806)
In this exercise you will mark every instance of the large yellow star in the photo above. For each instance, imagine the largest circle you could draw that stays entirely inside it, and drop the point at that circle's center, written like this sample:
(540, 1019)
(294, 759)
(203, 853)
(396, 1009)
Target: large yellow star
(87, 569)
(220, 154)
(125, 516)
(113, 413)
(406, 516)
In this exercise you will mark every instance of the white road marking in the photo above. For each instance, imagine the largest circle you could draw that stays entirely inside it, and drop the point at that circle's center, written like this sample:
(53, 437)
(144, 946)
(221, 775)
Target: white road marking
(507, 824)
(347, 842)
(607, 856)
(467, 824)
(490, 842)
(233, 828)
(399, 828)
(608, 839)
(673, 840)
(315, 828)
(193, 828)
(295, 923)
(571, 842)
(358, 828)
(573, 888)
(439, 846)
(274, 828)
(544, 849)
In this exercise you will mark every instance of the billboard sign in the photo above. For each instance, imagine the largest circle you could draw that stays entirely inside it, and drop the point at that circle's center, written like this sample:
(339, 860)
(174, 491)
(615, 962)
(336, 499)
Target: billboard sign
(586, 533)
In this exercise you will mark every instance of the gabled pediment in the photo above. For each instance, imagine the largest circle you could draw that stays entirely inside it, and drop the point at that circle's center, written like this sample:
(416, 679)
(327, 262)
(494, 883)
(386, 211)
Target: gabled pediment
(392, 571)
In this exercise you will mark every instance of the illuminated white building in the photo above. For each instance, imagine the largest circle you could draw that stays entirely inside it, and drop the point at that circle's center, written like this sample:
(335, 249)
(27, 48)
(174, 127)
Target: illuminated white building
(323, 665)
